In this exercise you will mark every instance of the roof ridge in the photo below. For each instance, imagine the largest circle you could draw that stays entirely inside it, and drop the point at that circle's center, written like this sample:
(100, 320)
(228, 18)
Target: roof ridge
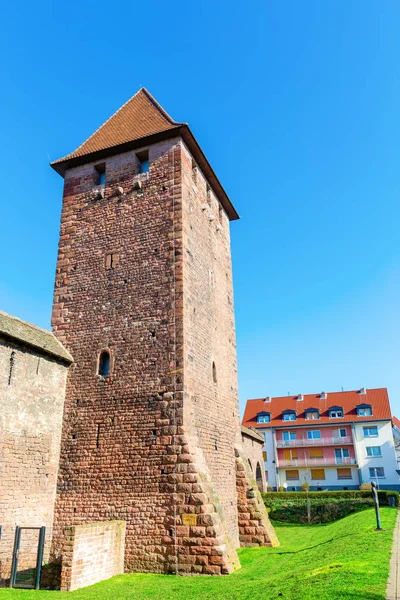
(293, 396)
(158, 105)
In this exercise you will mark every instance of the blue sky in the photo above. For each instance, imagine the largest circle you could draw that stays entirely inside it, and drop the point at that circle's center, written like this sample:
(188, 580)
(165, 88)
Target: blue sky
(296, 104)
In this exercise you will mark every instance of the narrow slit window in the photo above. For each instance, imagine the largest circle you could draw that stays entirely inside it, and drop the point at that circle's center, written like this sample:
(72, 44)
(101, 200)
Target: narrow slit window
(214, 372)
(104, 364)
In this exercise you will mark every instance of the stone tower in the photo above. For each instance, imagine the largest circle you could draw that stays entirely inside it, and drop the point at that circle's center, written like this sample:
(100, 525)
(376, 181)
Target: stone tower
(144, 303)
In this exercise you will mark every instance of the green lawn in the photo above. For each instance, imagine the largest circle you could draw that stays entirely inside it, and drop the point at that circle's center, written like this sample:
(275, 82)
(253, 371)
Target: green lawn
(335, 561)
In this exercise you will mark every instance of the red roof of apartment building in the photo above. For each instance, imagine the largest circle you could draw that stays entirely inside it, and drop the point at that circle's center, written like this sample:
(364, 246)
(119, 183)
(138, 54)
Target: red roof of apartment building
(348, 401)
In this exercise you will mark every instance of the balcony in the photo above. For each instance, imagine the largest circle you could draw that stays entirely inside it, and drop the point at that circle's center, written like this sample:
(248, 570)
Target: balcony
(305, 442)
(316, 462)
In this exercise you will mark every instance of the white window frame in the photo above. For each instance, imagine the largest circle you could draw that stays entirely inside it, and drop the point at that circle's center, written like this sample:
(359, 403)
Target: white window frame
(291, 434)
(375, 475)
(263, 419)
(310, 435)
(310, 415)
(368, 435)
(372, 455)
(333, 414)
(289, 417)
(361, 412)
(340, 432)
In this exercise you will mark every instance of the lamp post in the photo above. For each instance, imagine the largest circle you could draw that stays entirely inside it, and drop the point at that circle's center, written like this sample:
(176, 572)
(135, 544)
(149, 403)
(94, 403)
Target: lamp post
(376, 504)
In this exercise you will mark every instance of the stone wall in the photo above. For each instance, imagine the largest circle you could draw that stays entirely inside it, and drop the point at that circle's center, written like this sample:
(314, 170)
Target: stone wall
(32, 388)
(253, 452)
(211, 404)
(92, 553)
(255, 528)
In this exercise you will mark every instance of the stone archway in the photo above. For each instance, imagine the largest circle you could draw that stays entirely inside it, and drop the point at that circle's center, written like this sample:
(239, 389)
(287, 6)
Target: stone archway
(259, 478)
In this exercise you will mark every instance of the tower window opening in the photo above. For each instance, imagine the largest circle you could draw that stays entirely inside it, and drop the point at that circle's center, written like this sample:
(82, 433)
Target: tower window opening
(10, 372)
(104, 364)
(143, 158)
(101, 174)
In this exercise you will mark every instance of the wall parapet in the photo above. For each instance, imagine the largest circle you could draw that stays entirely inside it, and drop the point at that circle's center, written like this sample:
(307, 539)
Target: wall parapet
(92, 552)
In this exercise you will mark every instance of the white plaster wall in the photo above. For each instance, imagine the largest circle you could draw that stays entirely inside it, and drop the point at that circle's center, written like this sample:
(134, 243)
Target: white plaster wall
(388, 458)
(269, 465)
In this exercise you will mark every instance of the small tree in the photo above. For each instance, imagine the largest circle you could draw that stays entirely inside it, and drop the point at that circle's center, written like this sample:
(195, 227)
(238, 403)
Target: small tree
(305, 486)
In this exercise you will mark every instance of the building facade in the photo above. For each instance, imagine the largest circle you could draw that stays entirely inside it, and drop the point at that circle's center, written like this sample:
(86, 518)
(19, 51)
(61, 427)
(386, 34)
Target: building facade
(330, 441)
(144, 302)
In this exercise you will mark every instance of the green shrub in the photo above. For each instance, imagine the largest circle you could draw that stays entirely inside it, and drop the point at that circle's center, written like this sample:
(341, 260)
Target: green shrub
(345, 494)
(321, 510)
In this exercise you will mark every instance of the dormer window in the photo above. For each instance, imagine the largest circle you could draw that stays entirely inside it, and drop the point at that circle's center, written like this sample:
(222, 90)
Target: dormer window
(263, 417)
(364, 410)
(289, 415)
(336, 412)
(312, 414)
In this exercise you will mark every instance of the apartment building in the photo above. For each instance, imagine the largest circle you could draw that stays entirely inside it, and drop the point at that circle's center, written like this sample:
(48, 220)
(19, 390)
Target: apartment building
(333, 440)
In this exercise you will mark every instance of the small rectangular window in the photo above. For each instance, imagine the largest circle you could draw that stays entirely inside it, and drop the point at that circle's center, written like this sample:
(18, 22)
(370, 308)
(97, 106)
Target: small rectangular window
(143, 158)
(264, 455)
(101, 174)
(292, 475)
(288, 436)
(317, 474)
(374, 451)
(342, 433)
(376, 472)
(370, 431)
(344, 474)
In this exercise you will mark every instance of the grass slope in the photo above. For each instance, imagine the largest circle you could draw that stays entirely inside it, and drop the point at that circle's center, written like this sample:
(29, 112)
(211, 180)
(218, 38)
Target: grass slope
(342, 560)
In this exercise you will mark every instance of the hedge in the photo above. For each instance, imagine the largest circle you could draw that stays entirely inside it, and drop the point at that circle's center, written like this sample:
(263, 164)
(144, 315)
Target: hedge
(383, 495)
(318, 510)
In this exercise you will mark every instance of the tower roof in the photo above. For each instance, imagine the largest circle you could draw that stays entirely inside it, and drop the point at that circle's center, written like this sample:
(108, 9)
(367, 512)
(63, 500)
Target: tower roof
(141, 121)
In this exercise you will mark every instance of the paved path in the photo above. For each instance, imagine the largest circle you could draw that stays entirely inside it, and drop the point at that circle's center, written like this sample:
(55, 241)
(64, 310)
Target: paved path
(393, 585)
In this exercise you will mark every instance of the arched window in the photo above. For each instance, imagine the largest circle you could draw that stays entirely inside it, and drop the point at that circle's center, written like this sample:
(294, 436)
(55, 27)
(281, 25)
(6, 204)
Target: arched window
(214, 372)
(259, 478)
(104, 363)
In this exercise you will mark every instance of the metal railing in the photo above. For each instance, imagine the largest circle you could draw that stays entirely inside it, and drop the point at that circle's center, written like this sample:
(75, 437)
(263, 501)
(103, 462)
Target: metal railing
(302, 442)
(316, 462)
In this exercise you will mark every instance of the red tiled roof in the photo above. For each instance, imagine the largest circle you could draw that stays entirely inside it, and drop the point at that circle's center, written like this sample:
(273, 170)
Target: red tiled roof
(396, 422)
(140, 117)
(377, 398)
(139, 122)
